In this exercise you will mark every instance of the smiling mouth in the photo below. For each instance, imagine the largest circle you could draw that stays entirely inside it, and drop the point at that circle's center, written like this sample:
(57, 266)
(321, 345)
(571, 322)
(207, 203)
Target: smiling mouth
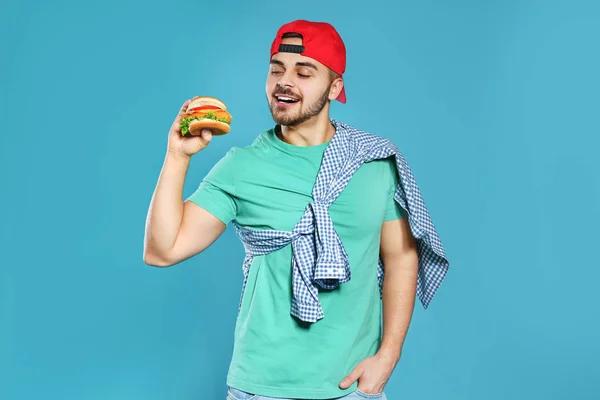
(285, 99)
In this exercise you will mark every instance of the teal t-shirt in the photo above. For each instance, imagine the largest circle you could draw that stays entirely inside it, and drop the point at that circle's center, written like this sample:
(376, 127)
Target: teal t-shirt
(267, 185)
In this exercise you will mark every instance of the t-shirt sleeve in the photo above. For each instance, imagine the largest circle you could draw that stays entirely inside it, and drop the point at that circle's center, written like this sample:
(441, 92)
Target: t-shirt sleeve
(216, 192)
(393, 211)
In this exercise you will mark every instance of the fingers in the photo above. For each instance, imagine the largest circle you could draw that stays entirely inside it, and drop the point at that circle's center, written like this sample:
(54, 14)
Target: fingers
(175, 127)
(185, 106)
(182, 110)
(352, 377)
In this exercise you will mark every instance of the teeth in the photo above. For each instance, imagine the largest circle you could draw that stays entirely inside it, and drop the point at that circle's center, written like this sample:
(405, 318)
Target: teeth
(285, 98)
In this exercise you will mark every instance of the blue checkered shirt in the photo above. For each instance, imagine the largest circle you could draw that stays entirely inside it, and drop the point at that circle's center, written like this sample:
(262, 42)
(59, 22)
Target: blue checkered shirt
(319, 257)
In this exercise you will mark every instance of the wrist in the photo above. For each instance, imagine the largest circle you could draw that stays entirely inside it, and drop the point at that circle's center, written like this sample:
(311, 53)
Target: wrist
(178, 156)
(390, 353)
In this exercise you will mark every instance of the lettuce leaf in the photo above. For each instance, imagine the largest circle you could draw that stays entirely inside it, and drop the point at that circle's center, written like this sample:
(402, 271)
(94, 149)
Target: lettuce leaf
(185, 123)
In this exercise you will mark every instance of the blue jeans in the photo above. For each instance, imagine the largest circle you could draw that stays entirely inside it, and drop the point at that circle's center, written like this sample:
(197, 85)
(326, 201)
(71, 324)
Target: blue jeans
(235, 394)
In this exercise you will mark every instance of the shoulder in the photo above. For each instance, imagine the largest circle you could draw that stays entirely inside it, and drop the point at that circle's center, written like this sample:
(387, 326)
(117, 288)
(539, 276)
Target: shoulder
(364, 138)
(383, 154)
(240, 158)
(250, 152)
(382, 169)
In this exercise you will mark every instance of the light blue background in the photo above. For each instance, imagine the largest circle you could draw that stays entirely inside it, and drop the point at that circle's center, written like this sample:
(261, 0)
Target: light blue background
(494, 104)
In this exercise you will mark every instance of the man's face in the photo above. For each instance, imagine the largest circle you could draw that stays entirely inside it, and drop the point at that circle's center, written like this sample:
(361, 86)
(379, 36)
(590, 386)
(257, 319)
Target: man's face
(298, 87)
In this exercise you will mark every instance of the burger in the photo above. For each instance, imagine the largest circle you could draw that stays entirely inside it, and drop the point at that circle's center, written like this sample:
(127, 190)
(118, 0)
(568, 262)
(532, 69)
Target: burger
(205, 112)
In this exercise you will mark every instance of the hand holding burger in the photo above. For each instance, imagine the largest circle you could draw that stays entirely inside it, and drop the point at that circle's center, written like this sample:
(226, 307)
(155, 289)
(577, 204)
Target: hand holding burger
(205, 112)
(197, 121)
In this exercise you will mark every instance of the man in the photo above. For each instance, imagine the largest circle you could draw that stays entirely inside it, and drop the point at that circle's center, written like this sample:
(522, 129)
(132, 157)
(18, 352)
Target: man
(289, 344)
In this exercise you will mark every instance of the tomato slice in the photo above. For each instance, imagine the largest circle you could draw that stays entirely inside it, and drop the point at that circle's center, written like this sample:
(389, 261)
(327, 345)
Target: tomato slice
(203, 108)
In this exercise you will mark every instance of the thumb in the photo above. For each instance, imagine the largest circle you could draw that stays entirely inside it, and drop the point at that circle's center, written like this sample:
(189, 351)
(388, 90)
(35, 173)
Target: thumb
(203, 139)
(206, 135)
(352, 377)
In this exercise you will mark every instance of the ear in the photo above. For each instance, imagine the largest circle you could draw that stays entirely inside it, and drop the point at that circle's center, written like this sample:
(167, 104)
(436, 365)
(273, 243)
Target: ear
(335, 88)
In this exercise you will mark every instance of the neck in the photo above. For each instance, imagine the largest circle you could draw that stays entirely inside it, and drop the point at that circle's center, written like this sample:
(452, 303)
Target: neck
(315, 131)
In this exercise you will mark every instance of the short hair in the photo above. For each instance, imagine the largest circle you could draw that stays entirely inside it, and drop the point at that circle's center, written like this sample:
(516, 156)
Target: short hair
(292, 35)
(333, 75)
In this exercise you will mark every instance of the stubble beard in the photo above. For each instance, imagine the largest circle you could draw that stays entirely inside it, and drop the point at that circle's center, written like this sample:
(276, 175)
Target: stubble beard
(290, 118)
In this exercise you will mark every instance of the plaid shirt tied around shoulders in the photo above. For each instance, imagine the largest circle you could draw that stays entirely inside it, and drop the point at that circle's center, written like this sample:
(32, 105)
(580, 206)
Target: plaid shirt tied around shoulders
(319, 257)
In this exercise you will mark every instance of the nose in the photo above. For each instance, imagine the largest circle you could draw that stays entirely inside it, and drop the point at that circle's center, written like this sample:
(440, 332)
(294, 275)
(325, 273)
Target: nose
(285, 80)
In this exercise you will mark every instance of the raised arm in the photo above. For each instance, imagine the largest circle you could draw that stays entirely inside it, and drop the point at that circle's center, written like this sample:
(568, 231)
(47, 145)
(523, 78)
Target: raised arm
(177, 230)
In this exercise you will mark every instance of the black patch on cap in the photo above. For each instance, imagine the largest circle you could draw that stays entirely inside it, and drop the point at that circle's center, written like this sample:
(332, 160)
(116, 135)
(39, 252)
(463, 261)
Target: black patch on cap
(291, 48)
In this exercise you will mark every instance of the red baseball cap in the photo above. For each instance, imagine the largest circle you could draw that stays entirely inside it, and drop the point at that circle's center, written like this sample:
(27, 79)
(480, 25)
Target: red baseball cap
(320, 41)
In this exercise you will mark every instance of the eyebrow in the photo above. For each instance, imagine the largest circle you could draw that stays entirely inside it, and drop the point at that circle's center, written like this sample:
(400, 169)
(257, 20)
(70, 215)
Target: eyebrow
(298, 64)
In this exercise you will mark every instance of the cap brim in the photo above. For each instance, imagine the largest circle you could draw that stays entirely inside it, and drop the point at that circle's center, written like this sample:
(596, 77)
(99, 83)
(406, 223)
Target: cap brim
(342, 96)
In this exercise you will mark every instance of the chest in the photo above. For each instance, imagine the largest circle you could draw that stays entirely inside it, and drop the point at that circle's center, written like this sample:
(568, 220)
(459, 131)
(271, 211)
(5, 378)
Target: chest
(275, 197)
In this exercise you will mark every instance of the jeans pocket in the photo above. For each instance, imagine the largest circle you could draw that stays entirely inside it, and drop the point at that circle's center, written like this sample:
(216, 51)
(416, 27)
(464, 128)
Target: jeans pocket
(236, 394)
(376, 396)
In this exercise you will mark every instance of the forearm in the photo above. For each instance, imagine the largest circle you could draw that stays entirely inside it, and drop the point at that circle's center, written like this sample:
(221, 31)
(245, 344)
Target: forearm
(399, 289)
(166, 208)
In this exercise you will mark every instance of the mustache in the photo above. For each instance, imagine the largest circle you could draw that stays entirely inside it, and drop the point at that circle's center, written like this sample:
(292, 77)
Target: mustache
(284, 91)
